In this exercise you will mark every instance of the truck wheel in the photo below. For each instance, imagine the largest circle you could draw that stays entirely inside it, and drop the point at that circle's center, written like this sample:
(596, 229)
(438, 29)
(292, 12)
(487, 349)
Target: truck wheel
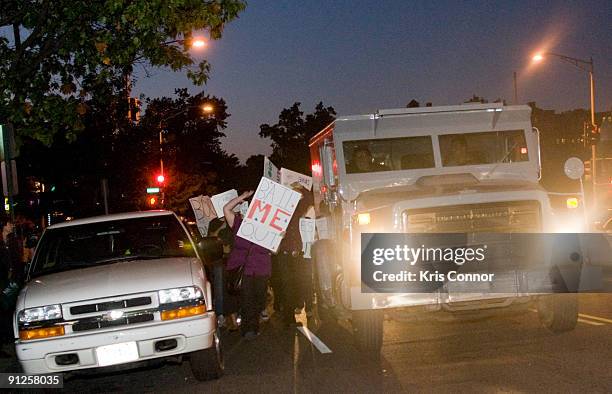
(368, 330)
(207, 364)
(559, 312)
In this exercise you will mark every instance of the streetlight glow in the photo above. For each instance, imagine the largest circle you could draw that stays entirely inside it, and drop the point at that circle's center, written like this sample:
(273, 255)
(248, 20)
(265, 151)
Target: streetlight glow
(207, 108)
(198, 43)
(538, 58)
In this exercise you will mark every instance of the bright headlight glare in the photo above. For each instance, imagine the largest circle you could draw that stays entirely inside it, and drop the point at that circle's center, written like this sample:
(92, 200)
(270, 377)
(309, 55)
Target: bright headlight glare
(41, 313)
(571, 203)
(363, 219)
(179, 294)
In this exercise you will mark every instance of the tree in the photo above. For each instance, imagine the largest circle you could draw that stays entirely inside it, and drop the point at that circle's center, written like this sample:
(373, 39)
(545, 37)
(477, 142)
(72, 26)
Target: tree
(291, 135)
(194, 160)
(64, 53)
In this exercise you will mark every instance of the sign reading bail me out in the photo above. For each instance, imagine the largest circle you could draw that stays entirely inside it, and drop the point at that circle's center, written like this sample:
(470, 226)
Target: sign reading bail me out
(269, 214)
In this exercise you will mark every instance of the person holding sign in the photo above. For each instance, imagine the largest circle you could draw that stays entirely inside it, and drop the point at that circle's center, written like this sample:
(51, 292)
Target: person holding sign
(257, 264)
(296, 271)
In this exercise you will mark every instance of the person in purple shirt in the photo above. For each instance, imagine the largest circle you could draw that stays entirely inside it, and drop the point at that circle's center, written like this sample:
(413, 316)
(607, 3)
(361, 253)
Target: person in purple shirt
(257, 264)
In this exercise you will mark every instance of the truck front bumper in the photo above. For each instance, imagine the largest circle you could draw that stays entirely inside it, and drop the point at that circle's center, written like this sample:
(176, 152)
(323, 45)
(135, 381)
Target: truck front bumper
(190, 334)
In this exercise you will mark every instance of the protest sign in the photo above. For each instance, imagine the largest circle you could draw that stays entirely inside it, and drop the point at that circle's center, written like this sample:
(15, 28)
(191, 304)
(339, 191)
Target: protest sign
(200, 212)
(269, 214)
(287, 177)
(322, 226)
(270, 170)
(244, 207)
(307, 232)
(219, 200)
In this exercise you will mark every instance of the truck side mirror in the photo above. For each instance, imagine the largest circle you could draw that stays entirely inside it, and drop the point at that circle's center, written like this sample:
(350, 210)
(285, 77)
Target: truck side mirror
(574, 168)
(328, 163)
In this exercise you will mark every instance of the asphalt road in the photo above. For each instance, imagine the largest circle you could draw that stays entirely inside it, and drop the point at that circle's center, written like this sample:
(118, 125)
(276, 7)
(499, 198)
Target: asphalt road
(497, 354)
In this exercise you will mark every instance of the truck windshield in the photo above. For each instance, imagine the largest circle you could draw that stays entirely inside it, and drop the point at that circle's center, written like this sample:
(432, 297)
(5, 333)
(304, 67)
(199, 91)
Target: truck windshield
(389, 154)
(87, 245)
(483, 148)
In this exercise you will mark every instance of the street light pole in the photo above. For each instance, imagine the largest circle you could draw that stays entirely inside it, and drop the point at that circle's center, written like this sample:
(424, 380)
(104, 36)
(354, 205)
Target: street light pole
(207, 108)
(585, 65)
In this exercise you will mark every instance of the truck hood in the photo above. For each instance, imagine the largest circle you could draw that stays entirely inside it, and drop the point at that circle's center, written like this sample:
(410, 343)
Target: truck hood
(108, 280)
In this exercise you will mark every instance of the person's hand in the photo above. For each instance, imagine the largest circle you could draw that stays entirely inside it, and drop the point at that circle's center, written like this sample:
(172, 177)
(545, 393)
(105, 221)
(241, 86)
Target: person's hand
(246, 195)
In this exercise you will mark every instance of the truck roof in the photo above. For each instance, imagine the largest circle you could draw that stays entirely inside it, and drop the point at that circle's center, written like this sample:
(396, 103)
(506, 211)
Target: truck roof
(110, 218)
(440, 110)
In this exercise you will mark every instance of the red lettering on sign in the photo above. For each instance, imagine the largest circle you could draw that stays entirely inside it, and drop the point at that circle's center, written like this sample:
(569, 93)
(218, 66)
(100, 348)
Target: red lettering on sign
(276, 217)
(257, 205)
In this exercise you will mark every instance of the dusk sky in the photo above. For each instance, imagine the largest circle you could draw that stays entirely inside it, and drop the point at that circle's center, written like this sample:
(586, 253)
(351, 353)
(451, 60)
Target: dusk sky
(360, 56)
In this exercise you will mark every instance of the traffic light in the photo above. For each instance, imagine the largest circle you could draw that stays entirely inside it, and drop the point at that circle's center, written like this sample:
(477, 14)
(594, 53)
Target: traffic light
(152, 201)
(160, 179)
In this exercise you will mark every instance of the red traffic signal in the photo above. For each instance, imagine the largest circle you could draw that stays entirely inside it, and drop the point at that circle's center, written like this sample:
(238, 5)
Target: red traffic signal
(160, 179)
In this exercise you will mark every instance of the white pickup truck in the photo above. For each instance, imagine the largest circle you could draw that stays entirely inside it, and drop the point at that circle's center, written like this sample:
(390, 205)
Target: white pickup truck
(116, 289)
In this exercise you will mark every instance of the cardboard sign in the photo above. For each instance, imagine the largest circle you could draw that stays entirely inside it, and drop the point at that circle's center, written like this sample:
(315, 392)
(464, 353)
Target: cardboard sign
(270, 170)
(307, 229)
(323, 228)
(219, 200)
(287, 177)
(243, 208)
(200, 212)
(269, 214)
(307, 233)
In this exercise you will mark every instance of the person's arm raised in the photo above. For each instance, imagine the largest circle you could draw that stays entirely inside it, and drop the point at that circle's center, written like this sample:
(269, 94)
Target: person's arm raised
(228, 209)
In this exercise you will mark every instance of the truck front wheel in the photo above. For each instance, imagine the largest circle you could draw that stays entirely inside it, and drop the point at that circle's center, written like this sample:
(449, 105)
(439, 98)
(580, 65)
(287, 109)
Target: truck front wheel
(368, 330)
(558, 312)
(208, 364)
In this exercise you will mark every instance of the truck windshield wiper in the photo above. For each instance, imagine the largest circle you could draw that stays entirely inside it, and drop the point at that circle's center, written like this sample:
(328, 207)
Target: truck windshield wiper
(488, 174)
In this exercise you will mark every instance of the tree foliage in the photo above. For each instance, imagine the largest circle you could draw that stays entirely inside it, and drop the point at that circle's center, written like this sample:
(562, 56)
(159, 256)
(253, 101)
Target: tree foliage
(290, 136)
(58, 55)
(129, 158)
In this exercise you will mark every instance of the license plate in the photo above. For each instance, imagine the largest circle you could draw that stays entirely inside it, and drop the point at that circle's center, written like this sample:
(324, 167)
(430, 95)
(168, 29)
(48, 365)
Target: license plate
(117, 354)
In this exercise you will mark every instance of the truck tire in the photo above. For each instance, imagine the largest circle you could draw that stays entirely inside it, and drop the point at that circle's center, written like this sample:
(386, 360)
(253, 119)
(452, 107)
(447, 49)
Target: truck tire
(368, 330)
(208, 364)
(559, 312)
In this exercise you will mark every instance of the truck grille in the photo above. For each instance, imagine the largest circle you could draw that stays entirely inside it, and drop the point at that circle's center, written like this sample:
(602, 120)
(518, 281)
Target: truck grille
(98, 322)
(511, 216)
(110, 305)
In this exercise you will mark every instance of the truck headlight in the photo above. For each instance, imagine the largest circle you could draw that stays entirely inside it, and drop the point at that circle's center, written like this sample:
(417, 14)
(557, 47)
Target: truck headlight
(179, 294)
(363, 219)
(572, 203)
(40, 314)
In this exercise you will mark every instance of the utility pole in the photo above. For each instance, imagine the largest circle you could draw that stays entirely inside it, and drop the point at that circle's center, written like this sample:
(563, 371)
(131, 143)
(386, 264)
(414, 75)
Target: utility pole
(515, 89)
(9, 174)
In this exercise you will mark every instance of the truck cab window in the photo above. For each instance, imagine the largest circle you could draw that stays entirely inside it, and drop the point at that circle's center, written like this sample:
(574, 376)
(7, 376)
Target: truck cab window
(389, 154)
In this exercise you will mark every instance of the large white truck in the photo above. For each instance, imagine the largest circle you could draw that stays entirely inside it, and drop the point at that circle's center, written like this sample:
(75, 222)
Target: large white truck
(467, 168)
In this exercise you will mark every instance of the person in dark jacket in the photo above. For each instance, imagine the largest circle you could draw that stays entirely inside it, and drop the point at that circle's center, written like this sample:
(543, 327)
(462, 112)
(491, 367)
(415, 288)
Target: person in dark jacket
(257, 269)
(295, 270)
(11, 275)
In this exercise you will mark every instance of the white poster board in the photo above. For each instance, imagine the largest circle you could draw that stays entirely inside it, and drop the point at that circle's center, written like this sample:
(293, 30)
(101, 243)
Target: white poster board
(287, 177)
(322, 226)
(202, 213)
(307, 233)
(269, 214)
(270, 170)
(219, 200)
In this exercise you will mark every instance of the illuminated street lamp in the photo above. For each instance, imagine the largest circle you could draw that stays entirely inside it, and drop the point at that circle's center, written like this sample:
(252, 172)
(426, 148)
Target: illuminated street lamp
(585, 65)
(208, 108)
(198, 43)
